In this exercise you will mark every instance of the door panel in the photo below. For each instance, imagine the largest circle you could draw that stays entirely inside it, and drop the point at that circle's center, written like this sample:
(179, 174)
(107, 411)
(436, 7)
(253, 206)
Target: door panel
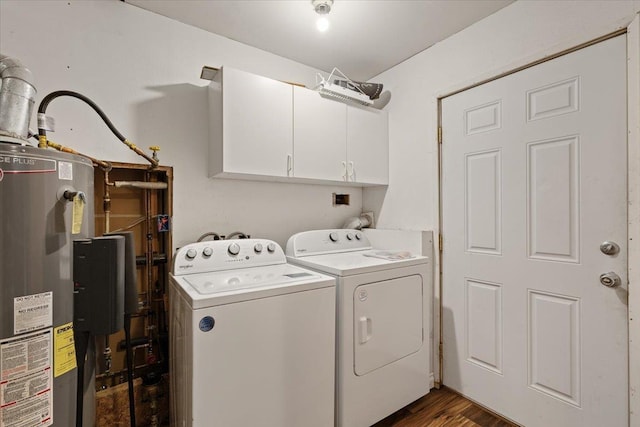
(552, 198)
(554, 345)
(483, 306)
(483, 205)
(533, 180)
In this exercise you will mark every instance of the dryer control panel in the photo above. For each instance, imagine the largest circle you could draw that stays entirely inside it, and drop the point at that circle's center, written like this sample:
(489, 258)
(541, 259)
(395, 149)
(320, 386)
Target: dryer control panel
(316, 242)
(221, 255)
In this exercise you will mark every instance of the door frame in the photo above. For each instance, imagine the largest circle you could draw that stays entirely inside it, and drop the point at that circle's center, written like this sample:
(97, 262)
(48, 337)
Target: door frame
(632, 32)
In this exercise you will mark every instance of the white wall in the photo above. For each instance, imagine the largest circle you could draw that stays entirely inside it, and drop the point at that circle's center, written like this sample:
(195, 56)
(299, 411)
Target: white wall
(514, 36)
(143, 70)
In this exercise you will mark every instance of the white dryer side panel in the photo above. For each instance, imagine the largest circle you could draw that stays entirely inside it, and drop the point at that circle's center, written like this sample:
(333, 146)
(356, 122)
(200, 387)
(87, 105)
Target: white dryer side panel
(387, 322)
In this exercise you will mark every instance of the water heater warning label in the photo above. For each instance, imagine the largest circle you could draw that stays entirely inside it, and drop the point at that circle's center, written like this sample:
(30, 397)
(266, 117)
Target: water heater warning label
(64, 357)
(26, 380)
(32, 312)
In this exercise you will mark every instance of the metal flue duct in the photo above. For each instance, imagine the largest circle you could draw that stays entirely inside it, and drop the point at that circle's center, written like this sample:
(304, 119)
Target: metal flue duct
(17, 96)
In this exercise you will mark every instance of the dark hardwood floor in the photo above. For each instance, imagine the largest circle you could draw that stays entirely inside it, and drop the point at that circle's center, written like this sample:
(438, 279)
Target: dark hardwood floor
(442, 408)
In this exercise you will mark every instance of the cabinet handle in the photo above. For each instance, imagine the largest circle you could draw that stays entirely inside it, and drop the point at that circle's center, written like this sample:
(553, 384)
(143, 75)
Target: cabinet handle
(344, 171)
(289, 164)
(352, 171)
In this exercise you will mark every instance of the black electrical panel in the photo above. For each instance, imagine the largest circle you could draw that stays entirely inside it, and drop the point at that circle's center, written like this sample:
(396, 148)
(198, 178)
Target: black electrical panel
(98, 278)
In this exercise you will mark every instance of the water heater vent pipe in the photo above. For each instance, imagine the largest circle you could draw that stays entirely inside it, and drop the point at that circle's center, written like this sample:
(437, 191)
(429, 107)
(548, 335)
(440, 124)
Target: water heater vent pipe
(17, 96)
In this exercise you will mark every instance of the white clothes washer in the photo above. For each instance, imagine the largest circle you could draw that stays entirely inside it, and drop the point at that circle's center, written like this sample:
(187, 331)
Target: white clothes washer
(383, 321)
(252, 338)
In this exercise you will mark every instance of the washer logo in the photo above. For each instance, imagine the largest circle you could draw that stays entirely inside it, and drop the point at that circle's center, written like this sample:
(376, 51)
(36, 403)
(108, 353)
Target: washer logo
(206, 323)
(362, 295)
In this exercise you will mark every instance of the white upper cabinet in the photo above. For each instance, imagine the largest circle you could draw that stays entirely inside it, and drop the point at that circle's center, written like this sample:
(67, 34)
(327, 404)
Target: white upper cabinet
(264, 129)
(251, 127)
(320, 136)
(367, 145)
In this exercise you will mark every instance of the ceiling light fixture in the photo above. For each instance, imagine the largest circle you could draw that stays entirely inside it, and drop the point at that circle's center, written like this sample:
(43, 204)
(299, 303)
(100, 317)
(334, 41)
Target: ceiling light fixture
(322, 8)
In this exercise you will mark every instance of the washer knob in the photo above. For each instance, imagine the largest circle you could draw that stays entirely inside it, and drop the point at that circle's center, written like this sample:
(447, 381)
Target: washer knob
(233, 249)
(358, 236)
(258, 248)
(191, 253)
(271, 247)
(333, 236)
(207, 252)
(349, 236)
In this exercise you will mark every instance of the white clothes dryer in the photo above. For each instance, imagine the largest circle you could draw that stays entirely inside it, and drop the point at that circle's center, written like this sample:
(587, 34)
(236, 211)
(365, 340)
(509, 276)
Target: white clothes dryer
(383, 320)
(252, 338)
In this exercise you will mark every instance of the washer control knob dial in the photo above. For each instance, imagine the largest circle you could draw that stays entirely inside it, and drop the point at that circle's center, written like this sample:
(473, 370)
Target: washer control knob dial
(333, 236)
(233, 249)
(349, 236)
(191, 253)
(358, 236)
(207, 252)
(257, 248)
(271, 247)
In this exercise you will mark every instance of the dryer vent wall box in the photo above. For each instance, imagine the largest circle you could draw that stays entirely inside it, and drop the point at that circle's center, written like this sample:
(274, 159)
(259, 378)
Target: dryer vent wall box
(340, 199)
(383, 321)
(258, 330)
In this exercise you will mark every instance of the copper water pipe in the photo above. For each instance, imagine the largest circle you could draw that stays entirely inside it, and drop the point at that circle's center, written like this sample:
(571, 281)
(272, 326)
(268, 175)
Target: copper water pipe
(106, 202)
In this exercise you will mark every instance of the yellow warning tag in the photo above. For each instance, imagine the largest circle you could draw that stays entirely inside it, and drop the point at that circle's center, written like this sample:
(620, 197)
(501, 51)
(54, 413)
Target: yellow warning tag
(78, 209)
(64, 350)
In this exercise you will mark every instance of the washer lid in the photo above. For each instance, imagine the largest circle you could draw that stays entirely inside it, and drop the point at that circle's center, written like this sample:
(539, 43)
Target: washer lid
(359, 262)
(224, 287)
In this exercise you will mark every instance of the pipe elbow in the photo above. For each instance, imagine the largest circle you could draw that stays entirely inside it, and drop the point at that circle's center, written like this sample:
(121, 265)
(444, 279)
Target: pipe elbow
(12, 68)
(17, 97)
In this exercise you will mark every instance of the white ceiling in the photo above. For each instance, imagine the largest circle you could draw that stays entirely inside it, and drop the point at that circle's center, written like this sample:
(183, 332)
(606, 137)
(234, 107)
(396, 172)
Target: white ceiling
(365, 37)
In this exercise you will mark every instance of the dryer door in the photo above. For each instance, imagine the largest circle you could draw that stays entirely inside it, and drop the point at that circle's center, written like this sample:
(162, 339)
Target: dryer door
(387, 322)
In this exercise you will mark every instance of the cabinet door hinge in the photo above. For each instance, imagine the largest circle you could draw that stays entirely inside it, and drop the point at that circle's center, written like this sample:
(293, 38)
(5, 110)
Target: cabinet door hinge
(440, 134)
(440, 242)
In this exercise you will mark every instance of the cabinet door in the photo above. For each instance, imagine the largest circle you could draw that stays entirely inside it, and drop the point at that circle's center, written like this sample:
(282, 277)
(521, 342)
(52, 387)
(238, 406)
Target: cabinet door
(257, 124)
(367, 145)
(319, 135)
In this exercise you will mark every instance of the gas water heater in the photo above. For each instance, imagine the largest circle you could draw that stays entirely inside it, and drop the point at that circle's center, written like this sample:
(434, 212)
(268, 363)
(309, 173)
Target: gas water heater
(46, 202)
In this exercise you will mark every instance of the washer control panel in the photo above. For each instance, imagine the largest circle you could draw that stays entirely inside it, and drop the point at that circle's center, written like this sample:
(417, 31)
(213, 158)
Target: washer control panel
(318, 242)
(220, 255)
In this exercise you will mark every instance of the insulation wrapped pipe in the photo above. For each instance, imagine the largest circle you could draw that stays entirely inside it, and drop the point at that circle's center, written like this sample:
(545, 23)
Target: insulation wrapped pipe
(142, 184)
(17, 96)
(357, 222)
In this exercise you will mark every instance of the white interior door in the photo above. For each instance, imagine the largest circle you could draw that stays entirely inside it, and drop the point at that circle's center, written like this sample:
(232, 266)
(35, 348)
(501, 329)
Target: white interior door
(533, 181)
